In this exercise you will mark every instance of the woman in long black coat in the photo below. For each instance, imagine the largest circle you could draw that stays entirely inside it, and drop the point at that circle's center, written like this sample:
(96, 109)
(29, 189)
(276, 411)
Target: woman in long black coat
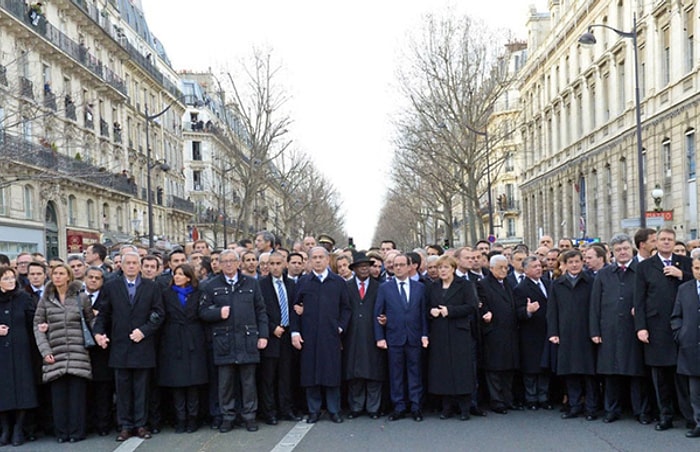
(182, 358)
(450, 368)
(18, 392)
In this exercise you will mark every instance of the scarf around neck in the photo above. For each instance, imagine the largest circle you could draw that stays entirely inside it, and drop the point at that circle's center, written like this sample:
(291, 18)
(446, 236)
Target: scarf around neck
(182, 293)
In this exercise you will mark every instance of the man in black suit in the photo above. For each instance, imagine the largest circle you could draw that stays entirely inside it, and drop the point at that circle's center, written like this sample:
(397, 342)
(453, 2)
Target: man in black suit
(101, 387)
(363, 363)
(657, 282)
(276, 358)
(685, 322)
(530, 298)
(132, 310)
(518, 274)
(500, 334)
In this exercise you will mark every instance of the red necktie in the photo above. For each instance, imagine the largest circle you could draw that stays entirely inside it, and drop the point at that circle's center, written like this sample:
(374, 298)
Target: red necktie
(362, 290)
(623, 268)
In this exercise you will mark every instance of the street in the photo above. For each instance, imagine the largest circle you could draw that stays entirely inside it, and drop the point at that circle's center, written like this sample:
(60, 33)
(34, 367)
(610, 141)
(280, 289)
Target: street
(521, 431)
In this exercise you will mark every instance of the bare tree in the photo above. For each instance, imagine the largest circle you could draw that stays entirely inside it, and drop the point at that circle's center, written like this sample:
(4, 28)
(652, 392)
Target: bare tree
(257, 101)
(453, 79)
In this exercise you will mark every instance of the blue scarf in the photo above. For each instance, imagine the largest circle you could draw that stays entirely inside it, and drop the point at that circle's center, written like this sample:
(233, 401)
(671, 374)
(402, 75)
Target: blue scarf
(182, 293)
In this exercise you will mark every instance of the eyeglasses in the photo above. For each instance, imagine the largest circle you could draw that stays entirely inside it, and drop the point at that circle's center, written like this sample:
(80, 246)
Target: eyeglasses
(94, 277)
(227, 262)
(22, 263)
(8, 279)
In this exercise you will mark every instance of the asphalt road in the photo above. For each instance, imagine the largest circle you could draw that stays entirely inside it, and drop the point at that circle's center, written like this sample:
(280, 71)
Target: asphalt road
(516, 431)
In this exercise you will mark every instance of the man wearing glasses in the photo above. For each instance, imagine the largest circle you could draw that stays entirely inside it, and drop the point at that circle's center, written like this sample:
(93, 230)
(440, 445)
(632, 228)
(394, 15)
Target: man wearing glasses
(23, 260)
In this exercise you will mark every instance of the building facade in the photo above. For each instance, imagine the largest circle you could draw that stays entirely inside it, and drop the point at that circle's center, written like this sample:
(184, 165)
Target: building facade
(580, 166)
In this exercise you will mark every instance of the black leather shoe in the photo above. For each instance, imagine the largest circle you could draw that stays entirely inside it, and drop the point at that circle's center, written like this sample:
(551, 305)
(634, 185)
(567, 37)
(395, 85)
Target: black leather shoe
(373, 415)
(464, 416)
(533, 407)
(251, 426)
(644, 419)
(417, 415)
(694, 433)
(690, 425)
(313, 418)
(591, 417)
(58, 440)
(664, 425)
(569, 415)
(103, 433)
(546, 406)
(216, 423)
(445, 415)
(290, 417)
(476, 411)
(17, 437)
(272, 420)
(610, 418)
(353, 414)
(396, 415)
(226, 426)
(155, 430)
(336, 418)
(499, 410)
(517, 407)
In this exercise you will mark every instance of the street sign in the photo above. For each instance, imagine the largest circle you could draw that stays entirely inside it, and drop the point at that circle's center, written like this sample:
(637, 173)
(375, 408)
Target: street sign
(655, 222)
(628, 223)
(492, 238)
(667, 215)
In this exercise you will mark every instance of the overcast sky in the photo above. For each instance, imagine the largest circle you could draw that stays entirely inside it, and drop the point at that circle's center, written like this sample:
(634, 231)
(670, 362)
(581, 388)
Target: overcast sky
(340, 61)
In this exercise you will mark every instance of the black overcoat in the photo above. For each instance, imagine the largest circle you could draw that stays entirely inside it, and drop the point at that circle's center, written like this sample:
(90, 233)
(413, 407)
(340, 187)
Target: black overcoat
(535, 348)
(182, 356)
(500, 336)
(326, 309)
(361, 356)
(235, 339)
(654, 297)
(568, 311)
(612, 298)
(18, 390)
(99, 357)
(450, 364)
(122, 317)
(685, 324)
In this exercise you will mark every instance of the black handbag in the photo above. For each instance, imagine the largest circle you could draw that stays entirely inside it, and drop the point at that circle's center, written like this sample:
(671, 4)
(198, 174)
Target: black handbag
(88, 338)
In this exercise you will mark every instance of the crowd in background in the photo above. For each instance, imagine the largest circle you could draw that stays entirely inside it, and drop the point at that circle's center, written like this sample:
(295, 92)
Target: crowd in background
(136, 339)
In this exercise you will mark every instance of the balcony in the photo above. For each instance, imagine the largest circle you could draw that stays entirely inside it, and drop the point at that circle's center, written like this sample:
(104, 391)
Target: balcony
(76, 51)
(182, 204)
(26, 88)
(50, 100)
(57, 166)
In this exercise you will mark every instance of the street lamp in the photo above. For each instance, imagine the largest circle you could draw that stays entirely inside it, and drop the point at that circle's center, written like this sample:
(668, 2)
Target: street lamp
(657, 194)
(589, 39)
(485, 134)
(149, 167)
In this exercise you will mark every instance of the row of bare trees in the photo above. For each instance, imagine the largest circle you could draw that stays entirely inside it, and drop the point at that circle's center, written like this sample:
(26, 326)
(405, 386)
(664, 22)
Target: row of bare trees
(453, 77)
(269, 161)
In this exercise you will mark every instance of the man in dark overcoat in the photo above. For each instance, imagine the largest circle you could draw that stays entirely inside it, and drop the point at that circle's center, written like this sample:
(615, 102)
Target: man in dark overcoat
(685, 324)
(499, 331)
(276, 359)
(620, 354)
(364, 365)
(530, 296)
(656, 285)
(317, 331)
(132, 310)
(568, 311)
(233, 305)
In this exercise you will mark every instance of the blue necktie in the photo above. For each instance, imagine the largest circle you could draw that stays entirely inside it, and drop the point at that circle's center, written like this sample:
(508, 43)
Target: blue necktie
(131, 288)
(667, 262)
(284, 308)
(403, 292)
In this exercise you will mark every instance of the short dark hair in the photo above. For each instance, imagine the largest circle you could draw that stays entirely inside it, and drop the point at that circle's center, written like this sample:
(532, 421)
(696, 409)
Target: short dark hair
(414, 257)
(244, 242)
(642, 235)
(393, 244)
(100, 250)
(36, 264)
(188, 271)
(292, 254)
(570, 254)
(4, 260)
(437, 248)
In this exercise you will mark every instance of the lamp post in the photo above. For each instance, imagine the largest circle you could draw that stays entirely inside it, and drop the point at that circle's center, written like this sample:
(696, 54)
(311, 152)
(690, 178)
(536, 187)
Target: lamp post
(657, 194)
(589, 39)
(149, 167)
(485, 134)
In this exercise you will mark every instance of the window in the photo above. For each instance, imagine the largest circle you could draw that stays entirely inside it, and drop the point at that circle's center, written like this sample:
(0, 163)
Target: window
(197, 180)
(666, 57)
(196, 150)
(71, 210)
(511, 227)
(4, 201)
(509, 165)
(690, 152)
(91, 213)
(666, 156)
(606, 96)
(28, 202)
(592, 107)
(120, 225)
(105, 216)
(621, 86)
(689, 40)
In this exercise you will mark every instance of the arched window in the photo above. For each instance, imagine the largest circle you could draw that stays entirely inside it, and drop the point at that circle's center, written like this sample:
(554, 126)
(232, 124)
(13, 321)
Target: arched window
(91, 213)
(72, 213)
(105, 216)
(28, 202)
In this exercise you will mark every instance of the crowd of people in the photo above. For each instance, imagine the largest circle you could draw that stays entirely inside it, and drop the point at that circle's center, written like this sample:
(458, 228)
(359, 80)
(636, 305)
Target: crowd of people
(256, 332)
